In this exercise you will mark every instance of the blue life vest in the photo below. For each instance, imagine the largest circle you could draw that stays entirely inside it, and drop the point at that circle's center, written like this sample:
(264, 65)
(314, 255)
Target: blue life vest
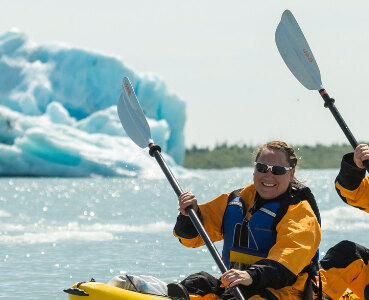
(248, 241)
(233, 215)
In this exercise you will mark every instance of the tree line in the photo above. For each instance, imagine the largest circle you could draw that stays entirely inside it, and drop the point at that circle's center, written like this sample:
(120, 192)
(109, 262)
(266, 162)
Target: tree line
(228, 156)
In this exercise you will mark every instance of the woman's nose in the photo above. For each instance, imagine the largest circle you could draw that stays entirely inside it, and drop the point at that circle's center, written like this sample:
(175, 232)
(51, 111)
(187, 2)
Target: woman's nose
(269, 173)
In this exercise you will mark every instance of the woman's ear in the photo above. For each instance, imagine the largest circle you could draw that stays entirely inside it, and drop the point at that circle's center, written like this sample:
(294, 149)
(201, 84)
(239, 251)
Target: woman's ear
(292, 174)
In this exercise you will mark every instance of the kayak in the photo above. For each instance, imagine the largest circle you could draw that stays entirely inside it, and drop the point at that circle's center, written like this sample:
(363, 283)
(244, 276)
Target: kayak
(101, 291)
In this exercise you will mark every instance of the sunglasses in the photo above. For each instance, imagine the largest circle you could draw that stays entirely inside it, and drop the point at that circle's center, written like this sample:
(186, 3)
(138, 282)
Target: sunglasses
(276, 170)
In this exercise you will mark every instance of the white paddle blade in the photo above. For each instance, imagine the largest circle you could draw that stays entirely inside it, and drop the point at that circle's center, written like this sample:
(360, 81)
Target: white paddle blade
(132, 117)
(296, 52)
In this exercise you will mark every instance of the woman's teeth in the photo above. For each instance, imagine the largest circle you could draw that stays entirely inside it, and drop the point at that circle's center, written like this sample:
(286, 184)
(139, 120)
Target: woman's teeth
(269, 184)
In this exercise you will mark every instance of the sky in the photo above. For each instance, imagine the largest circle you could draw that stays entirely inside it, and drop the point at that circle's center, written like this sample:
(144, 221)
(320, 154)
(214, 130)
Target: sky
(220, 57)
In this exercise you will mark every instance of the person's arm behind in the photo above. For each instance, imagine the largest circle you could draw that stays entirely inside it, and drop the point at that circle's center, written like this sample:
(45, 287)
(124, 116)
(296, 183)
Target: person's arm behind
(351, 184)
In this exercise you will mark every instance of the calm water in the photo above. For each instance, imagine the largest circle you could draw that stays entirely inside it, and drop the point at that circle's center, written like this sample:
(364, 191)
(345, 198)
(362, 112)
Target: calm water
(56, 231)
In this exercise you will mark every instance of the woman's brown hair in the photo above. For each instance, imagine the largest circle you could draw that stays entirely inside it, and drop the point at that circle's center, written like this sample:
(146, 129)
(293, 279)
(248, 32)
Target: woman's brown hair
(281, 146)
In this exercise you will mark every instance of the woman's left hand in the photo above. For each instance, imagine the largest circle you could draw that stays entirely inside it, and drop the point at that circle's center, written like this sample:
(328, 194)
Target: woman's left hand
(233, 277)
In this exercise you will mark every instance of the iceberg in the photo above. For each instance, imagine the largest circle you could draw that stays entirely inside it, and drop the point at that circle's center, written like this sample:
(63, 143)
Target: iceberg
(58, 112)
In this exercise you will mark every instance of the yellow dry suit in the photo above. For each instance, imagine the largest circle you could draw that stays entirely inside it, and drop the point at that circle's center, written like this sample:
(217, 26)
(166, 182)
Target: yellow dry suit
(275, 241)
(352, 185)
(346, 265)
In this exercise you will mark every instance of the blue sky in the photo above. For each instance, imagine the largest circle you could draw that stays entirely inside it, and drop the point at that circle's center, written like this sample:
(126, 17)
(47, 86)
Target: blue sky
(220, 58)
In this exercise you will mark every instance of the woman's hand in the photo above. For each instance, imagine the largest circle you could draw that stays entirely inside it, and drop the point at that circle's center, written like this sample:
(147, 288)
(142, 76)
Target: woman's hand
(187, 199)
(361, 153)
(233, 277)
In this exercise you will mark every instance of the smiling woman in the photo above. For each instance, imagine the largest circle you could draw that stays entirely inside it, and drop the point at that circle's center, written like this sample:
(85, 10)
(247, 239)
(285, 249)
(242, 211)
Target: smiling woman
(270, 228)
(281, 160)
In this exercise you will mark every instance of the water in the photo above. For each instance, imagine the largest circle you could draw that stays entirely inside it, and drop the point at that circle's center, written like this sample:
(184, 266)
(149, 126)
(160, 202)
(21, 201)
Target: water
(58, 231)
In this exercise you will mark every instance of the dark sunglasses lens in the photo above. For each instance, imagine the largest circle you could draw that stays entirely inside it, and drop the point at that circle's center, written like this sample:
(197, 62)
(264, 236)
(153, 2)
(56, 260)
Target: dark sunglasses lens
(262, 168)
(278, 170)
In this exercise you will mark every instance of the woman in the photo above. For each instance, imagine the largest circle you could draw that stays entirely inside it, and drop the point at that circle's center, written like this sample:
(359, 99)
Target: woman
(270, 228)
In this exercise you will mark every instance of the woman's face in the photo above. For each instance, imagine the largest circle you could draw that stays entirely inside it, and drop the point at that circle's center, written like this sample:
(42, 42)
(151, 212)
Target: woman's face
(267, 184)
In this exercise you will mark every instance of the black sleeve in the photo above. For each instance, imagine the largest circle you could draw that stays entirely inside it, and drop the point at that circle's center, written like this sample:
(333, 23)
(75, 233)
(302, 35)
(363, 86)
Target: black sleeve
(350, 176)
(268, 273)
(343, 254)
(184, 227)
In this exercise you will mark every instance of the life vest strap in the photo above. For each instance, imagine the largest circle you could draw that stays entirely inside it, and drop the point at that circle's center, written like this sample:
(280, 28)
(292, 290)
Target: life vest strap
(248, 259)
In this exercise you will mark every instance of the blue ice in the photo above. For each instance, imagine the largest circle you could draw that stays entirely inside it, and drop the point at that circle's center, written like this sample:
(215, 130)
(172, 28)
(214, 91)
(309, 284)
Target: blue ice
(58, 112)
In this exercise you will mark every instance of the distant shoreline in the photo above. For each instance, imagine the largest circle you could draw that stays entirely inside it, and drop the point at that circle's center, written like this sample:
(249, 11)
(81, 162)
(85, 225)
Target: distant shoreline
(229, 156)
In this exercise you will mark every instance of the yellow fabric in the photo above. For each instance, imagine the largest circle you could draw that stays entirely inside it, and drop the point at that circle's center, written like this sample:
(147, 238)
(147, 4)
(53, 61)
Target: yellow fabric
(298, 236)
(358, 197)
(212, 217)
(247, 259)
(355, 277)
(206, 297)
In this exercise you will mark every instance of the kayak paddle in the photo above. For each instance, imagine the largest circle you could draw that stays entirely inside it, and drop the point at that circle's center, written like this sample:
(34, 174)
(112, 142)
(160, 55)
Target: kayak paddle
(135, 124)
(298, 57)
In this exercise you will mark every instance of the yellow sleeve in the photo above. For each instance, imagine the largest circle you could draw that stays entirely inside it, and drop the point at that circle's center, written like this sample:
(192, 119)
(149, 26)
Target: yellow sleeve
(358, 197)
(298, 238)
(212, 217)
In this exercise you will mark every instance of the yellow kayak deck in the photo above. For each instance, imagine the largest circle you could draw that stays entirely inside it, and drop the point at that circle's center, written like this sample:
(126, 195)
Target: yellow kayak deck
(101, 291)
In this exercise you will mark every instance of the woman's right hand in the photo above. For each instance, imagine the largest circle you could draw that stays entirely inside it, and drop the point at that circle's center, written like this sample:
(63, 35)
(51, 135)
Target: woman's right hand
(234, 277)
(185, 200)
(361, 153)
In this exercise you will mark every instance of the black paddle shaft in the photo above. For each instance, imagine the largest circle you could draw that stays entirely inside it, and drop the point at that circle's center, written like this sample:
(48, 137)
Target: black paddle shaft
(329, 102)
(155, 152)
